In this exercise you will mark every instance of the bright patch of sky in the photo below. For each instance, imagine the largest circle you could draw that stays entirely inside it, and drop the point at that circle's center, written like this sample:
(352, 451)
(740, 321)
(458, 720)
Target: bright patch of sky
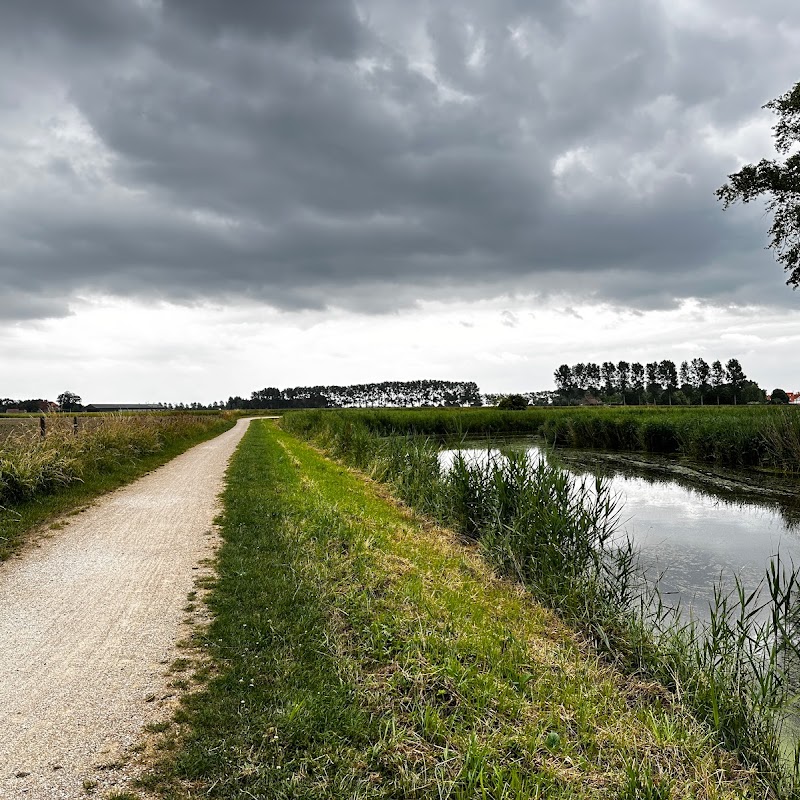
(109, 350)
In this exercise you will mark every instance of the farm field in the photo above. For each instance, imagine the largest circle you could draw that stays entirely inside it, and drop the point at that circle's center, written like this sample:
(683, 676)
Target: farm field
(73, 423)
(357, 650)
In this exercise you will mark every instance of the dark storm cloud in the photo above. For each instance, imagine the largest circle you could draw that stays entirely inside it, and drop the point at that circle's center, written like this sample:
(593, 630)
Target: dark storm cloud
(367, 155)
(331, 26)
(79, 23)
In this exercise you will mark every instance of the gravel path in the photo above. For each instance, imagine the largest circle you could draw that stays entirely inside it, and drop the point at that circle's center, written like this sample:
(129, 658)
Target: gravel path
(89, 619)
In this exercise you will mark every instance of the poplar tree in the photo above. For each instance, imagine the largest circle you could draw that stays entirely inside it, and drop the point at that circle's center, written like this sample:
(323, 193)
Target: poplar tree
(717, 377)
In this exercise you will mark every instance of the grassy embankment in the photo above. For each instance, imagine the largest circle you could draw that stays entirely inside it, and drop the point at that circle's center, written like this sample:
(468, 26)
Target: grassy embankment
(43, 477)
(734, 436)
(556, 536)
(357, 651)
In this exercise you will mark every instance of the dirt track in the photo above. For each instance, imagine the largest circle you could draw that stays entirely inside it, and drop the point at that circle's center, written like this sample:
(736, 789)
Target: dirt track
(88, 624)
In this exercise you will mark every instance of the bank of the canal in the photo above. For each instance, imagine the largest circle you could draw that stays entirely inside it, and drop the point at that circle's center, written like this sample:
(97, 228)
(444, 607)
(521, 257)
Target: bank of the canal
(359, 651)
(559, 537)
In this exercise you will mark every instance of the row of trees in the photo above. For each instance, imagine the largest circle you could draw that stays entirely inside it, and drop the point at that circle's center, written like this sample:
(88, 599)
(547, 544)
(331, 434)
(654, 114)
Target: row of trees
(67, 401)
(694, 382)
(538, 398)
(387, 393)
(29, 406)
(70, 402)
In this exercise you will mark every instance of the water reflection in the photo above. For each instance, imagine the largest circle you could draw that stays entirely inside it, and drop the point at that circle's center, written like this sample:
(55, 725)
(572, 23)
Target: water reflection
(695, 538)
(693, 527)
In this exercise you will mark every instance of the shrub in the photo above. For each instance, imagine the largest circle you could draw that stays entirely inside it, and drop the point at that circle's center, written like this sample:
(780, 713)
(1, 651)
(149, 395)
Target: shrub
(513, 402)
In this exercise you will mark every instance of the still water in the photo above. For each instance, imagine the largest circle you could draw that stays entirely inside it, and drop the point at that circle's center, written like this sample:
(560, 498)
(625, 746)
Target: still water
(691, 527)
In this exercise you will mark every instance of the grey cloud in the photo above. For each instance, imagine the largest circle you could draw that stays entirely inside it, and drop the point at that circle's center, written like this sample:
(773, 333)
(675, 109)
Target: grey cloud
(509, 318)
(312, 154)
(24, 306)
(331, 26)
(77, 23)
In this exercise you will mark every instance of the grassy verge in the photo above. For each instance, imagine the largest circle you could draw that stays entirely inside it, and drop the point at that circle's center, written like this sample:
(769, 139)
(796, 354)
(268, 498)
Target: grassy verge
(555, 535)
(357, 651)
(44, 478)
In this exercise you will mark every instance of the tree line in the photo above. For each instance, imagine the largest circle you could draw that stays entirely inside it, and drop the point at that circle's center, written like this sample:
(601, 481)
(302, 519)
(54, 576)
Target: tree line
(418, 393)
(388, 393)
(71, 402)
(29, 406)
(693, 382)
(67, 401)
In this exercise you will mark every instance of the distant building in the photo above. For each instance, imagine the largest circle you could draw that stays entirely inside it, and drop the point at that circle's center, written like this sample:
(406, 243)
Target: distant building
(111, 407)
(794, 397)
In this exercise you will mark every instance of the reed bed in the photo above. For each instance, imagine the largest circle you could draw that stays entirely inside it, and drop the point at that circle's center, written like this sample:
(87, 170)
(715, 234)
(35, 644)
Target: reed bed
(33, 465)
(557, 536)
(730, 436)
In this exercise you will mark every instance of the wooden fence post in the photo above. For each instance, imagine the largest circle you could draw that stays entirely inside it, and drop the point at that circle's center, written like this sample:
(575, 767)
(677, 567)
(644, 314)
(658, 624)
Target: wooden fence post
(75, 425)
(42, 426)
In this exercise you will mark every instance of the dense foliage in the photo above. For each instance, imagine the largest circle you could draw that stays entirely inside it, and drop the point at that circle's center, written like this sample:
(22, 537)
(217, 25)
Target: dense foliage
(69, 401)
(779, 182)
(513, 402)
(37, 406)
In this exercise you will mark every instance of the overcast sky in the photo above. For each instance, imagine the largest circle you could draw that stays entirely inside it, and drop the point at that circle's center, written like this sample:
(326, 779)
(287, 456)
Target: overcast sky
(204, 197)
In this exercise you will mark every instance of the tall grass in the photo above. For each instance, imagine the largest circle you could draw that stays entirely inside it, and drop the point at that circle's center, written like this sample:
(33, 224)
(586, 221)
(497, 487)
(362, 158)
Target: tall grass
(556, 535)
(782, 435)
(32, 465)
(739, 671)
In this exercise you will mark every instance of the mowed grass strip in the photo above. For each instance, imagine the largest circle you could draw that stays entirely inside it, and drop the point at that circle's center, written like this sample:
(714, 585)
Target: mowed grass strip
(358, 652)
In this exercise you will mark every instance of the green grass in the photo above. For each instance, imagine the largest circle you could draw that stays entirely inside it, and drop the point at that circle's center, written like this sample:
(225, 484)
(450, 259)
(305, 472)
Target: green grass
(358, 651)
(41, 479)
(555, 535)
